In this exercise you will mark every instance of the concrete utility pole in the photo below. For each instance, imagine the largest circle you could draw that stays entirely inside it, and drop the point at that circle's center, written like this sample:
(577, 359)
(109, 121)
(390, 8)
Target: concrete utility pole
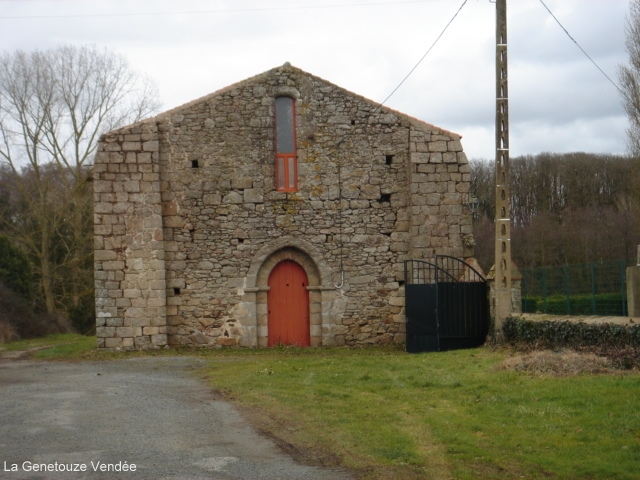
(502, 298)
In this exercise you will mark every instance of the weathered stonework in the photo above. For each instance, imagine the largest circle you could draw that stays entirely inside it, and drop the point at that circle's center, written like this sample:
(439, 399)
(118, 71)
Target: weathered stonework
(189, 225)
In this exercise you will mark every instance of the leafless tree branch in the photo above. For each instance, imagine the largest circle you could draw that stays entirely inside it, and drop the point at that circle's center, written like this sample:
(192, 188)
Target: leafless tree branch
(54, 105)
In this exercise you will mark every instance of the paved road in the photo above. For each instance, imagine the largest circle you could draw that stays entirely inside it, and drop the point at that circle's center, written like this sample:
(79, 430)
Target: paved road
(147, 412)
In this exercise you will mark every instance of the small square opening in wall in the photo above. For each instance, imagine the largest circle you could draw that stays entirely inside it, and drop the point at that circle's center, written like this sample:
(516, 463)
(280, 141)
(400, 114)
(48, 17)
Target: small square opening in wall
(385, 198)
(176, 291)
(388, 159)
(194, 164)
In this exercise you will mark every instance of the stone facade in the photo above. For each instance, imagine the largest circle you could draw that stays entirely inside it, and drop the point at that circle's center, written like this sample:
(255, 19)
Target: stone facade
(189, 224)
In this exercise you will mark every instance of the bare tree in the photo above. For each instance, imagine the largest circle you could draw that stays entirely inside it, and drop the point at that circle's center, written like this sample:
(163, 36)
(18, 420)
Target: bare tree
(629, 77)
(54, 105)
(483, 186)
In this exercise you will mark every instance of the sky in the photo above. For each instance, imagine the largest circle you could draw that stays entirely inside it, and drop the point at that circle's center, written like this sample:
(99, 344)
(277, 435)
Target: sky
(559, 101)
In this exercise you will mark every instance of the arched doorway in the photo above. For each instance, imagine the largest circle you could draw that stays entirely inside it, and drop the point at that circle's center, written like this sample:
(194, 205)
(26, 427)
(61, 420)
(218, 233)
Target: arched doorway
(288, 305)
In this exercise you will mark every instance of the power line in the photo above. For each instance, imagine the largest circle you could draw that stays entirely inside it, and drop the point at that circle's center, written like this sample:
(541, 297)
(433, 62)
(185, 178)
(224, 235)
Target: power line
(198, 12)
(423, 57)
(582, 49)
(337, 145)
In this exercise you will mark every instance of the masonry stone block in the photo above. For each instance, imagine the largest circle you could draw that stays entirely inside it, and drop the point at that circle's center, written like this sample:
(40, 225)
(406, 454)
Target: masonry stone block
(112, 147)
(253, 195)
(159, 340)
(438, 146)
(113, 265)
(131, 146)
(449, 157)
(454, 146)
(99, 255)
(142, 341)
(420, 157)
(105, 332)
(150, 146)
(113, 342)
(233, 198)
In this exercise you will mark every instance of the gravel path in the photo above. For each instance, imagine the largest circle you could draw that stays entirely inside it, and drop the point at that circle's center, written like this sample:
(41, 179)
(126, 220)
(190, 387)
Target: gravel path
(145, 412)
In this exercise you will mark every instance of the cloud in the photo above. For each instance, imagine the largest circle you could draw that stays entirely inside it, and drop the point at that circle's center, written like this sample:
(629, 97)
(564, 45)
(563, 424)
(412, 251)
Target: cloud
(558, 99)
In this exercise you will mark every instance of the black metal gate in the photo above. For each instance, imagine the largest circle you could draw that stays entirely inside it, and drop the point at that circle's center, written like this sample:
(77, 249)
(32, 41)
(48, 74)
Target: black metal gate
(447, 305)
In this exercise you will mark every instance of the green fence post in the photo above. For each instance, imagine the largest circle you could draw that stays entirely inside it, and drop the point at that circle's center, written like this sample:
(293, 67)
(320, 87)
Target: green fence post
(623, 288)
(523, 298)
(593, 288)
(566, 286)
(544, 288)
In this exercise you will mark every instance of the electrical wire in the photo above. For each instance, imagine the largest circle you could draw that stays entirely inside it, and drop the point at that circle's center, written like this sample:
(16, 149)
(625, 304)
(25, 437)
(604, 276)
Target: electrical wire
(423, 57)
(582, 49)
(369, 116)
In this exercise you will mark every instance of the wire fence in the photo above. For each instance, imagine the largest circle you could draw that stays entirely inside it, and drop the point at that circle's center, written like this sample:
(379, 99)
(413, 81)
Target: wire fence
(586, 289)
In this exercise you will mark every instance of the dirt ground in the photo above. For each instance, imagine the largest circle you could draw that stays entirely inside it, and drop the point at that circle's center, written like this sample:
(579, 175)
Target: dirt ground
(560, 363)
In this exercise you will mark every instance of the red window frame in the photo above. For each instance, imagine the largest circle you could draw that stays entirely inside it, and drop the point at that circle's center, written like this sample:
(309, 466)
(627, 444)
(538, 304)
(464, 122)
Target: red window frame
(286, 165)
(286, 172)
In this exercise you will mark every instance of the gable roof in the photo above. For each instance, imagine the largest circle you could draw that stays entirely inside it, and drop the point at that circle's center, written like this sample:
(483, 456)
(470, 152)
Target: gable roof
(287, 66)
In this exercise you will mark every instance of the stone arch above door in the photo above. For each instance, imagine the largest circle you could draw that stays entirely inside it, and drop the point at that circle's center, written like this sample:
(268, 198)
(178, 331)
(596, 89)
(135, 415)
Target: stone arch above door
(299, 251)
(322, 292)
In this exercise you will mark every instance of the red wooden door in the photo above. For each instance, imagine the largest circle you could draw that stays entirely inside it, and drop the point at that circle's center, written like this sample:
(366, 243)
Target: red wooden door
(288, 303)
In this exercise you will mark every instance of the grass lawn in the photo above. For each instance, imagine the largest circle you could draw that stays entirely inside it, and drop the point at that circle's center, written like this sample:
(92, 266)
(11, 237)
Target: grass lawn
(389, 414)
(439, 415)
(60, 346)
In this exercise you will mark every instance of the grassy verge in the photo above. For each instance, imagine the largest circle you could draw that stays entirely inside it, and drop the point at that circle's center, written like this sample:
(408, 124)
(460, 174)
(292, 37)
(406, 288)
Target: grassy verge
(388, 414)
(440, 415)
(71, 346)
(66, 345)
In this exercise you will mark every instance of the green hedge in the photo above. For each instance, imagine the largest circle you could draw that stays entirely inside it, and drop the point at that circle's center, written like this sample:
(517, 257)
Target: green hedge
(561, 334)
(530, 304)
(607, 304)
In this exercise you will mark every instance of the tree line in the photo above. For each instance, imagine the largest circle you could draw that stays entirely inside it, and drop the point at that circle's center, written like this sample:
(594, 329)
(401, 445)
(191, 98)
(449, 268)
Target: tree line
(565, 208)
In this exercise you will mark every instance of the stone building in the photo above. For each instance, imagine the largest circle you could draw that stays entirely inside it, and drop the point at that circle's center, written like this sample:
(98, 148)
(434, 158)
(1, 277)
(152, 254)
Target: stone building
(278, 210)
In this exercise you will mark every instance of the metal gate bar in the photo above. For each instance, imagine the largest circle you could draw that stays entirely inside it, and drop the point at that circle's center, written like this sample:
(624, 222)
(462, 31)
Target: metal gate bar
(446, 305)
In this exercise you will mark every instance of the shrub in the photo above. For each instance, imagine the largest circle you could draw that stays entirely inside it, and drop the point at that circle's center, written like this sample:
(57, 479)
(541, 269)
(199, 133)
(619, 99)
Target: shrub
(15, 269)
(560, 334)
(530, 304)
(604, 303)
(83, 315)
(7, 332)
(18, 319)
(619, 342)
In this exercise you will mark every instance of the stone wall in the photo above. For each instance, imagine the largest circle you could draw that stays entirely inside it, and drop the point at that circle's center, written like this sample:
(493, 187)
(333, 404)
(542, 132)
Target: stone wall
(129, 250)
(189, 224)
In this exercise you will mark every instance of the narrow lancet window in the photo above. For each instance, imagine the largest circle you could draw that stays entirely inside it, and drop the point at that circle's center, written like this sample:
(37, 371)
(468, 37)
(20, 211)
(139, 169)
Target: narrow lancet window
(286, 157)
